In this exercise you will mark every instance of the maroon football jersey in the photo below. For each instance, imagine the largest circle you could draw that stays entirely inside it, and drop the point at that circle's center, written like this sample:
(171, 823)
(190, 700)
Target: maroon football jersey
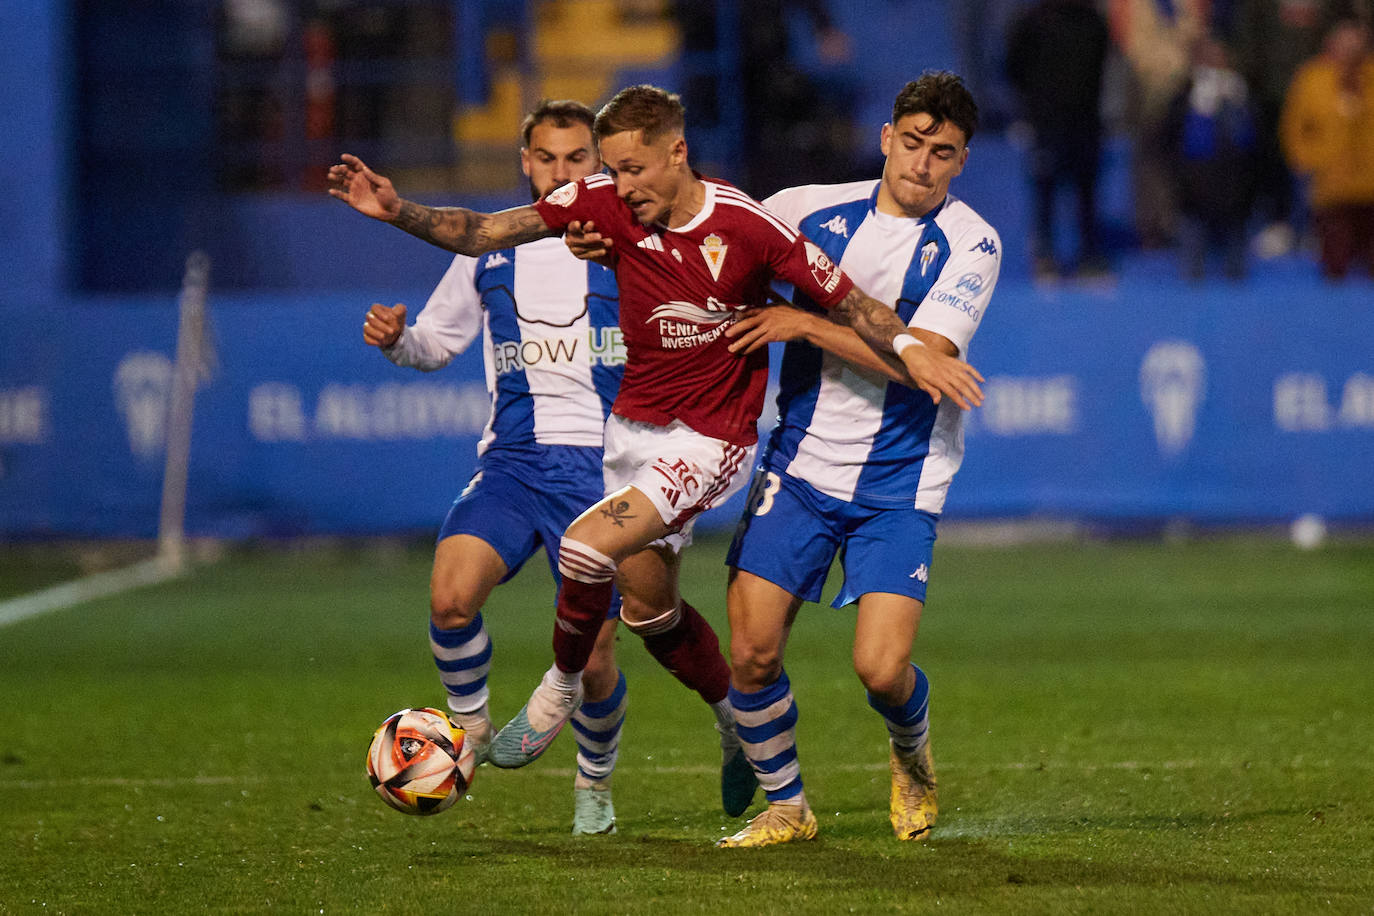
(681, 288)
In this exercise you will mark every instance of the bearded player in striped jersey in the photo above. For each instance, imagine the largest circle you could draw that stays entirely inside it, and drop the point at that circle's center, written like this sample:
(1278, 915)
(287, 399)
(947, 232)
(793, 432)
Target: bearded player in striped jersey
(553, 355)
(691, 256)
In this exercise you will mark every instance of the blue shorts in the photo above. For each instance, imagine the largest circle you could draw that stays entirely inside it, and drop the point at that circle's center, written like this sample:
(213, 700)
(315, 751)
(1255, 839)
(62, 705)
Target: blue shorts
(790, 532)
(518, 506)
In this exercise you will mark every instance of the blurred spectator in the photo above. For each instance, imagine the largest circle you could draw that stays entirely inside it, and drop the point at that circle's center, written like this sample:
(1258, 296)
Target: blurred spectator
(978, 26)
(1056, 52)
(797, 129)
(1155, 37)
(1269, 40)
(1214, 148)
(1328, 136)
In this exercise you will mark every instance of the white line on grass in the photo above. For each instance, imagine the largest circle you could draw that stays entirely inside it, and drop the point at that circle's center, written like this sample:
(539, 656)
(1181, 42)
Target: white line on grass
(87, 588)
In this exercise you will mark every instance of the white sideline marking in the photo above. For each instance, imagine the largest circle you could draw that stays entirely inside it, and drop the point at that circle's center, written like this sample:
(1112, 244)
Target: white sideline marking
(87, 588)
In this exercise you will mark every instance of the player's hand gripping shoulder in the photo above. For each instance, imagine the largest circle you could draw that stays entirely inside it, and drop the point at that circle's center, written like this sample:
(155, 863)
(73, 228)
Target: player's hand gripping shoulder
(453, 228)
(937, 374)
(383, 325)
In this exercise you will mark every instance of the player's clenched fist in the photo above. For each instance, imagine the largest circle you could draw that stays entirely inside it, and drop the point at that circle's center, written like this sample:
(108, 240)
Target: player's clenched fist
(384, 324)
(363, 189)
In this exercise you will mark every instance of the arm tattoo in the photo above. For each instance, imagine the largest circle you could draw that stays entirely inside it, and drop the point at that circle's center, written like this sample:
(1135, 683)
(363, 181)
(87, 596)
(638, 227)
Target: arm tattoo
(617, 512)
(471, 233)
(874, 322)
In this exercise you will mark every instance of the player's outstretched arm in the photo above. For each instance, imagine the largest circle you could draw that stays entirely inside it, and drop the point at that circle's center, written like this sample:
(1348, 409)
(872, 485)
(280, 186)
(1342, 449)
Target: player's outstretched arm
(453, 228)
(934, 372)
(783, 323)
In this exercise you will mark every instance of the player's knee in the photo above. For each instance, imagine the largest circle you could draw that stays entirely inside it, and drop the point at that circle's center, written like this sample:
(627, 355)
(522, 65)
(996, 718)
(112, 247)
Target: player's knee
(635, 610)
(452, 609)
(753, 667)
(884, 678)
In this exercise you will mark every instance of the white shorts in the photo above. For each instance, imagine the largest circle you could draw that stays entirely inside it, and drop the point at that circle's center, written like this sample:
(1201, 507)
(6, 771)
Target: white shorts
(682, 472)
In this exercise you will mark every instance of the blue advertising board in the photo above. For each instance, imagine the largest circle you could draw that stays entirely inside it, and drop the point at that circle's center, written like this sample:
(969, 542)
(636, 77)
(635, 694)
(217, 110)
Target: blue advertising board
(1229, 403)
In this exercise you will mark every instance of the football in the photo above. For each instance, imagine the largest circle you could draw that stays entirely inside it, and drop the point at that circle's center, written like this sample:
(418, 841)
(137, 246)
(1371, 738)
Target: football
(418, 763)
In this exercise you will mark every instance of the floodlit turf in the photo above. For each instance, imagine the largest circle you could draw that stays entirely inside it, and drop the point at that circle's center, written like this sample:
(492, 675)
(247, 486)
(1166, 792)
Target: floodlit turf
(1136, 727)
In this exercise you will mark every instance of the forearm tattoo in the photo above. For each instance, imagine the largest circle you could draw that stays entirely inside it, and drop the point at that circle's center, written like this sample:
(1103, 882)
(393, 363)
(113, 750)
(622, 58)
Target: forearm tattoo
(468, 232)
(874, 322)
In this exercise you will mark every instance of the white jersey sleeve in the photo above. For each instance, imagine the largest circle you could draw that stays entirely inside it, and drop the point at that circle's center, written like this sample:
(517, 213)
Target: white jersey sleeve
(447, 325)
(958, 298)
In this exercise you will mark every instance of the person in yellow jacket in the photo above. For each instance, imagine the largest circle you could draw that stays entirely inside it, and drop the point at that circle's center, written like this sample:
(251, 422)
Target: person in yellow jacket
(1327, 130)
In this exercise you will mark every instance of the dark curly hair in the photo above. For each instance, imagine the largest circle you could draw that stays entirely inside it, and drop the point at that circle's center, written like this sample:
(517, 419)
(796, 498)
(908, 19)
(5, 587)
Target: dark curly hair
(942, 95)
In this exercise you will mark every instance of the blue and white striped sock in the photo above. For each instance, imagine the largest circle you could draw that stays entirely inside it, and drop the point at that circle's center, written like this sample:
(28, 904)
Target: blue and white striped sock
(463, 657)
(909, 723)
(597, 727)
(767, 725)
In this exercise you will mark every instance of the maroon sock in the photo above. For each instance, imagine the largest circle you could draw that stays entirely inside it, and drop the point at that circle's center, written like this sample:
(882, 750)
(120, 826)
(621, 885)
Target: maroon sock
(691, 652)
(581, 609)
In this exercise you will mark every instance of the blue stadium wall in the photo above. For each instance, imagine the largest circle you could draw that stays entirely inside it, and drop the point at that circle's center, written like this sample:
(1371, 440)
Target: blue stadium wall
(1224, 404)
(1152, 399)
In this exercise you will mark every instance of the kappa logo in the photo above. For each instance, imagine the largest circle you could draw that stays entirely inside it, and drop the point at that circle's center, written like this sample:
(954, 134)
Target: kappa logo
(929, 251)
(713, 250)
(497, 259)
(837, 225)
(987, 246)
(564, 196)
(921, 574)
(823, 270)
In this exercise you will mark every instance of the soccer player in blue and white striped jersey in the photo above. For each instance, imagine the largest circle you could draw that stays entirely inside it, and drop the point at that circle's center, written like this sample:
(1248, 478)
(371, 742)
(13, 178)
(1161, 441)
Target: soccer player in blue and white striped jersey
(554, 358)
(859, 463)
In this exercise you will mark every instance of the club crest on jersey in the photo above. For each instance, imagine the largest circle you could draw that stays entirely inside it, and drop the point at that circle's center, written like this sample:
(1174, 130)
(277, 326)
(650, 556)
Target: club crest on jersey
(713, 250)
(562, 197)
(823, 270)
(928, 252)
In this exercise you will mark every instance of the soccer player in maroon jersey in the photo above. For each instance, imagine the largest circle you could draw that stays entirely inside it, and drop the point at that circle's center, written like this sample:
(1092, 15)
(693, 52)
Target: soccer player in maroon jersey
(691, 255)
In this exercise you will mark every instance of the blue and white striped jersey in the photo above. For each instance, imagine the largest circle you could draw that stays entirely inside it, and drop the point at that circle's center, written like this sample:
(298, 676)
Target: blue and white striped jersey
(552, 345)
(848, 431)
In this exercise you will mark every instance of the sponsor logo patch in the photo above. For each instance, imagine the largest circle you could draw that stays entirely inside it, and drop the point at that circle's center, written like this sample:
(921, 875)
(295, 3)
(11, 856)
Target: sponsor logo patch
(564, 196)
(970, 284)
(684, 325)
(823, 270)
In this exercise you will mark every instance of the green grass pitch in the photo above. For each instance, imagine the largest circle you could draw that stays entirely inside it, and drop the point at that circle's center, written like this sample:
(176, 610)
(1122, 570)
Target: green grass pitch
(1118, 727)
